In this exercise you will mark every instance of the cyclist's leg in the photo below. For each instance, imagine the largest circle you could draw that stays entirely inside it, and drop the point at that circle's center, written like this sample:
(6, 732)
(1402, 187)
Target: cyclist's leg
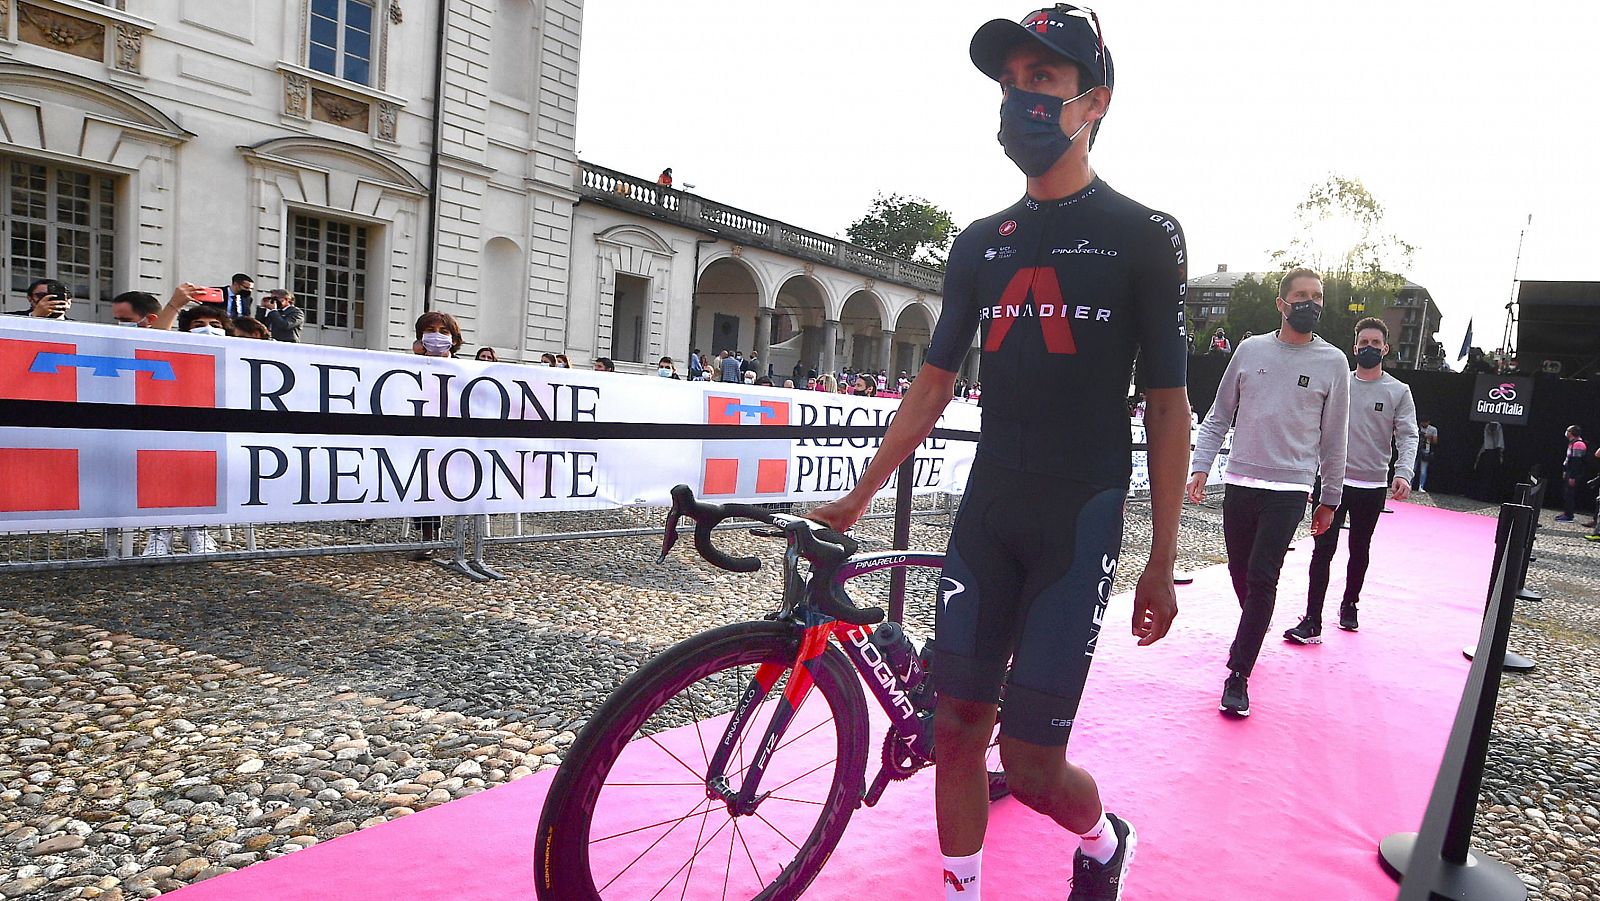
(1069, 582)
(974, 624)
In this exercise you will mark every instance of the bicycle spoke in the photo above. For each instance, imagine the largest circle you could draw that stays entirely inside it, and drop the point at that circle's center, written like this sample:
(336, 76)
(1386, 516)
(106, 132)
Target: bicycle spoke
(776, 829)
(658, 841)
(691, 769)
(686, 816)
(674, 877)
(791, 741)
(802, 775)
(727, 870)
(690, 875)
(793, 800)
(748, 856)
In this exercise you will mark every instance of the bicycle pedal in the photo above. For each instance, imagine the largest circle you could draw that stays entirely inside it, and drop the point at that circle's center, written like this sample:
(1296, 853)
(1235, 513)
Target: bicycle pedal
(875, 791)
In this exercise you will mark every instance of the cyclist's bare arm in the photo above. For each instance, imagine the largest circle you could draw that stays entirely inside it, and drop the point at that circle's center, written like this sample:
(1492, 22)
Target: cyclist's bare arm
(919, 412)
(1166, 425)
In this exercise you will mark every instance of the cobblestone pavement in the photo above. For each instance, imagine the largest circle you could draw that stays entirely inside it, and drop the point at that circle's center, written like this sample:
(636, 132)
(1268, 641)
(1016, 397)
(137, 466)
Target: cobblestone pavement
(158, 727)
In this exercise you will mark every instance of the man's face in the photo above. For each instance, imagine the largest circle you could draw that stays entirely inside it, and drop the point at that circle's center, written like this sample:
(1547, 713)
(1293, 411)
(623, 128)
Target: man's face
(1033, 68)
(244, 286)
(124, 312)
(1303, 288)
(212, 321)
(1371, 337)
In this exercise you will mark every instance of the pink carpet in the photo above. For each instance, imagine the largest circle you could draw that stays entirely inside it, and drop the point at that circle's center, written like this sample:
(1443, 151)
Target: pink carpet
(1342, 749)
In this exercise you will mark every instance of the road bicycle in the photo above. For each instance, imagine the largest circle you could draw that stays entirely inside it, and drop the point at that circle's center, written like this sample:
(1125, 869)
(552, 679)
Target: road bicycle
(729, 765)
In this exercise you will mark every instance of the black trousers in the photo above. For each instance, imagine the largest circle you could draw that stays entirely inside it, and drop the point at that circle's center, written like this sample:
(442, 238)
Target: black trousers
(1257, 526)
(1362, 506)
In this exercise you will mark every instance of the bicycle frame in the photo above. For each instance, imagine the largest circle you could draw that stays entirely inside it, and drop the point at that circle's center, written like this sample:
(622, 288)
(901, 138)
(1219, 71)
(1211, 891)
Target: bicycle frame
(887, 686)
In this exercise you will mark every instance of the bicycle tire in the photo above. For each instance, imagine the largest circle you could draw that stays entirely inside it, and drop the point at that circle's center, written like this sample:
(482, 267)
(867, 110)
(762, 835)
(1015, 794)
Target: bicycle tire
(563, 870)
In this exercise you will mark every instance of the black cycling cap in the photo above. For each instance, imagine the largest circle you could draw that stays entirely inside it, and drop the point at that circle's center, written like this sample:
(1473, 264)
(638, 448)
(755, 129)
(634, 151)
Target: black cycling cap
(1071, 31)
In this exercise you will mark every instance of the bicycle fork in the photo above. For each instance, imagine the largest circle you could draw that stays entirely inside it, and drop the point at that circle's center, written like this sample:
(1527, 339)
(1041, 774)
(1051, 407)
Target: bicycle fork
(744, 802)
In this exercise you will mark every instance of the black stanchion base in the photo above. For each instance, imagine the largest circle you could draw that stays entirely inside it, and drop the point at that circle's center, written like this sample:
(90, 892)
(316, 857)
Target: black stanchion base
(1514, 662)
(1182, 579)
(1481, 879)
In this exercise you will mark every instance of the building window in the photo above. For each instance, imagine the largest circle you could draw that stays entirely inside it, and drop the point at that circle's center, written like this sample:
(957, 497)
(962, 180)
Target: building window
(60, 223)
(629, 319)
(341, 39)
(328, 272)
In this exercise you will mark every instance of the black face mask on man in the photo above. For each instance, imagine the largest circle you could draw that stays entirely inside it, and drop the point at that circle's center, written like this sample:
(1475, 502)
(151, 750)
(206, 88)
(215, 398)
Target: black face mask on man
(1369, 357)
(1030, 129)
(1304, 316)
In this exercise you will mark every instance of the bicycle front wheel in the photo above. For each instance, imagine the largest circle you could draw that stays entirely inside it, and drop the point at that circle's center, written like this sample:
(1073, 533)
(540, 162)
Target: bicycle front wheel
(630, 815)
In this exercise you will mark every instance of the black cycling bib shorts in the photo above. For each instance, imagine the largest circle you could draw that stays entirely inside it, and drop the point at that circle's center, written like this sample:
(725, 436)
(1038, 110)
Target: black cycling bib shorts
(1069, 295)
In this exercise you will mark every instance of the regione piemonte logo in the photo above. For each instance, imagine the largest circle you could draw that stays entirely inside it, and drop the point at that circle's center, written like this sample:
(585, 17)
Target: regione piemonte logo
(745, 468)
(72, 475)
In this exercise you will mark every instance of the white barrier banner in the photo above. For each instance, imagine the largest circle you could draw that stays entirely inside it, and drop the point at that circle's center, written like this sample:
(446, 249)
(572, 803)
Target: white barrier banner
(171, 466)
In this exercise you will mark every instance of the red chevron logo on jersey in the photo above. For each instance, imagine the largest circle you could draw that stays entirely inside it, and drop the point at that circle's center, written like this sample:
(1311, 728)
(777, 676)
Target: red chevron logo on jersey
(1034, 292)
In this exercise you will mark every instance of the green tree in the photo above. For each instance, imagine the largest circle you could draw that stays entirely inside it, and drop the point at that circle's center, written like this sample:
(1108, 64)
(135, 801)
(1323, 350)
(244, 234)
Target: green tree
(1340, 232)
(910, 228)
(1252, 307)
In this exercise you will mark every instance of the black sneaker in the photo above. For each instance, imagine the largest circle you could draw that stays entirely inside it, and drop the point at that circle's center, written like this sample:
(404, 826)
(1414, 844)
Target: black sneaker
(1308, 632)
(1564, 518)
(1236, 695)
(1095, 881)
(1347, 618)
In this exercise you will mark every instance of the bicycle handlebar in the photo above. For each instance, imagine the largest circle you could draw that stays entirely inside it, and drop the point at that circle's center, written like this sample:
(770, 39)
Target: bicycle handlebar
(821, 546)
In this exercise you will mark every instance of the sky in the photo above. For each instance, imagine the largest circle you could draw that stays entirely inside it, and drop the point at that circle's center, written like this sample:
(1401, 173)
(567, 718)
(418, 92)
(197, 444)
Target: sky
(1463, 119)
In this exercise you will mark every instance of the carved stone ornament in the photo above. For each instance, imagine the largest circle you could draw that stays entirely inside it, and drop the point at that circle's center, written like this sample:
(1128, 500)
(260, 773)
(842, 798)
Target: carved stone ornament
(130, 47)
(69, 34)
(388, 120)
(810, 267)
(339, 110)
(5, 18)
(738, 250)
(296, 96)
(395, 15)
(871, 283)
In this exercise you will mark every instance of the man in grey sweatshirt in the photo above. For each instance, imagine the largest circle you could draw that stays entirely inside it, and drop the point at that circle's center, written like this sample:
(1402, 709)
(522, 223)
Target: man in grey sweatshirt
(1382, 418)
(1287, 397)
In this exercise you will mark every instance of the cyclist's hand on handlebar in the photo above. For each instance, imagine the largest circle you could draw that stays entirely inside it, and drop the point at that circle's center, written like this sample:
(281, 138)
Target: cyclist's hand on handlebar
(1155, 605)
(841, 514)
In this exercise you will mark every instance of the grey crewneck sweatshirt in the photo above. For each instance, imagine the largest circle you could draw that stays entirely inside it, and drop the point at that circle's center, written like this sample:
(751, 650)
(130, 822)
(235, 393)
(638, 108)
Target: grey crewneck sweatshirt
(1382, 417)
(1289, 406)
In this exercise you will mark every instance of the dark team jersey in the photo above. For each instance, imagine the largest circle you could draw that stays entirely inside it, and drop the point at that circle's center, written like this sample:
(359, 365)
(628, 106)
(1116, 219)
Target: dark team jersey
(1069, 293)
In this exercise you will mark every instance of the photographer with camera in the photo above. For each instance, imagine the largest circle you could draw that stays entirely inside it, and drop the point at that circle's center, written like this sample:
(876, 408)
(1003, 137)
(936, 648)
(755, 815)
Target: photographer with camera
(282, 317)
(47, 299)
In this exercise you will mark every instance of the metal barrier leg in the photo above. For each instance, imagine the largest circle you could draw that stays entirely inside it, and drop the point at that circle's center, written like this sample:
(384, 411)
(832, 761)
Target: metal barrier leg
(458, 562)
(477, 562)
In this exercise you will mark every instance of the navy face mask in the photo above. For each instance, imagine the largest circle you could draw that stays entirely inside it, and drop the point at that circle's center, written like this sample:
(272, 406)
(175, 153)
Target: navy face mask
(1369, 357)
(1030, 130)
(1304, 316)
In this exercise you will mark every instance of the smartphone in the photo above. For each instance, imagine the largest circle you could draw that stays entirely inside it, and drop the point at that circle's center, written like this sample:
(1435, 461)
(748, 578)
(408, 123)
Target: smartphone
(60, 293)
(210, 296)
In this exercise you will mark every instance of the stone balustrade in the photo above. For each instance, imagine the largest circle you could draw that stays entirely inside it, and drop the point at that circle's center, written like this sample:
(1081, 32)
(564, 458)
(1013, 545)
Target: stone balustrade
(625, 192)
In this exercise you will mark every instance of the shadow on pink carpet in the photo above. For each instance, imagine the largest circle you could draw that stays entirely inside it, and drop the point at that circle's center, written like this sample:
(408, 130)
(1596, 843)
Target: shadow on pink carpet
(1342, 749)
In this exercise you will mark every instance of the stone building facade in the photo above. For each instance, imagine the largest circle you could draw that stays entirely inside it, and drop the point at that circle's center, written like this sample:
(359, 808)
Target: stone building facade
(147, 142)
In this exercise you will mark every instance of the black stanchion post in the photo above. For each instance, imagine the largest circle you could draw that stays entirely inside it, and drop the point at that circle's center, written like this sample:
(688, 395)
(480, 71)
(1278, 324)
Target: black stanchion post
(904, 478)
(1438, 861)
(1521, 555)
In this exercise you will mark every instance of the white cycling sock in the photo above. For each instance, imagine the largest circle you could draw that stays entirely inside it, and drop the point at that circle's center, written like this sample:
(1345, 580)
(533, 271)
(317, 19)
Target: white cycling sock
(961, 877)
(1100, 842)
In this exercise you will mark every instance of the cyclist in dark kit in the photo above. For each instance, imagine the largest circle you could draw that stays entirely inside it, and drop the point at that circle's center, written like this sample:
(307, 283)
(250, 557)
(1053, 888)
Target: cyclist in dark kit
(1069, 286)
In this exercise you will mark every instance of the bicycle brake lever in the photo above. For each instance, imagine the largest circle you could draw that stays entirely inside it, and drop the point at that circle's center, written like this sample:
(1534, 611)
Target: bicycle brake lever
(671, 537)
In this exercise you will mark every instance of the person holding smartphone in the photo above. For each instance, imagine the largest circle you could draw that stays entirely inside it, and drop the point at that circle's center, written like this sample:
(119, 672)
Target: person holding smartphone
(47, 299)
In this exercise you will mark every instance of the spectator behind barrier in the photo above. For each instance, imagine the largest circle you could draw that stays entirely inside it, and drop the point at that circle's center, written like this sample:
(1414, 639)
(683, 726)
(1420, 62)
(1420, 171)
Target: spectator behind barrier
(135, 308)
(547, 359)
(446, 334)
(205, 319)
(438, 335)
(283, 318)
(667, 369)
(249, 327)
(47, 299)
(604, 364)
(562, 362)
(487, 355)
(865, 386)
(236, 295)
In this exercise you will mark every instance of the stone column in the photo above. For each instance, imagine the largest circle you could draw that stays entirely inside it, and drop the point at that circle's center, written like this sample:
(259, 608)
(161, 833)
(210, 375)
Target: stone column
(763, 339)
(830, 336)
(886, 354)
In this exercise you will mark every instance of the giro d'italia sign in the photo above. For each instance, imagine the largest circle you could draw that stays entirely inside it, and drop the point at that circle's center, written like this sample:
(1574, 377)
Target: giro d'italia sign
(1506, 399)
